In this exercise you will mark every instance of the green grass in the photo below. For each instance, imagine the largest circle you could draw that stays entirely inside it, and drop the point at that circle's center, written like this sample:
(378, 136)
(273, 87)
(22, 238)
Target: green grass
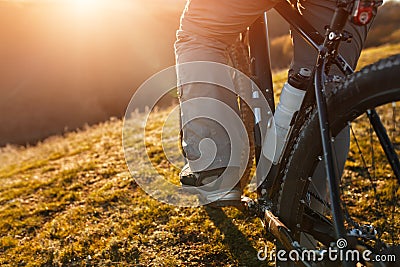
(71, 201)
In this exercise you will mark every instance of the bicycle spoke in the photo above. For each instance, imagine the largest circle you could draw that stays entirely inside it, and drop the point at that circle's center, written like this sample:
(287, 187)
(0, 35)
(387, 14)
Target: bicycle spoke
(363, 158)
(371, 140)
(393, 208)
(394, 122)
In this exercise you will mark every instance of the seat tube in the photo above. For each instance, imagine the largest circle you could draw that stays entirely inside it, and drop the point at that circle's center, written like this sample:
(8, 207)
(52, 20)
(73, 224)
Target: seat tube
(260, 58)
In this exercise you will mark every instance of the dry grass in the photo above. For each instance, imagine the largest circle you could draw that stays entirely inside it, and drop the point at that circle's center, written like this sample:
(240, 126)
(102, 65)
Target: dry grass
(70, 201)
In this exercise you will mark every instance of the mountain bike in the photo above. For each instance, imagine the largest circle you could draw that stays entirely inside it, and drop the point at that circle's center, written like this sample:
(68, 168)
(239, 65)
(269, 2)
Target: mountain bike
(362, 207)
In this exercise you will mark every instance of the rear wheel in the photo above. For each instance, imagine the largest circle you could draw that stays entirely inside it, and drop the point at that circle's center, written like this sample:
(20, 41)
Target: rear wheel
(370, 192)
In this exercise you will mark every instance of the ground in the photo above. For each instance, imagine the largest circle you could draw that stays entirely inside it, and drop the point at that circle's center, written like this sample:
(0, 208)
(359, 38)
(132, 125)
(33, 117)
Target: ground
(71, 201)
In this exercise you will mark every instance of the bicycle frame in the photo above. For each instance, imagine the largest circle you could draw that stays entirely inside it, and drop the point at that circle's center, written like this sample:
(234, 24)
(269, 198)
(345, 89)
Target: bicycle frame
(327, 47)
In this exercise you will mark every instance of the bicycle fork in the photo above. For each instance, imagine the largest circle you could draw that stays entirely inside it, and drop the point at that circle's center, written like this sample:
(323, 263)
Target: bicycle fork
(333, 37)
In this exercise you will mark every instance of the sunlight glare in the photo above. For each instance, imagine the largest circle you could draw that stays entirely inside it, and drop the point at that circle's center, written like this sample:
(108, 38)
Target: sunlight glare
(87, 6)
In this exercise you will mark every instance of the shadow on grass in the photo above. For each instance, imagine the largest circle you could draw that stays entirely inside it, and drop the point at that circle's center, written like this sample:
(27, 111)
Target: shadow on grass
(239, 245)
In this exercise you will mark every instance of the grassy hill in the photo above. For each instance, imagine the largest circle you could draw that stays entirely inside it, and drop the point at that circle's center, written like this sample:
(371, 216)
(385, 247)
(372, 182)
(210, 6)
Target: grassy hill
(70, 201)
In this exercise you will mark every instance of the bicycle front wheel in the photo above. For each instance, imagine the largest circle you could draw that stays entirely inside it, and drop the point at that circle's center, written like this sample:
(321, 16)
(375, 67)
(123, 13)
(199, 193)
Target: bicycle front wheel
(370, 193)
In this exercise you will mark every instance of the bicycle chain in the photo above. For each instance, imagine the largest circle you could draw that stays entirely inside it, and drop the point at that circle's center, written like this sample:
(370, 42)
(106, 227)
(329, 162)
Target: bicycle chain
(319, 199)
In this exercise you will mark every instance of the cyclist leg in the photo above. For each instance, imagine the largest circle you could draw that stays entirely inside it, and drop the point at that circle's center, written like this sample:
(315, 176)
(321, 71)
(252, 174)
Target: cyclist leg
(319, 14)
(207, 28)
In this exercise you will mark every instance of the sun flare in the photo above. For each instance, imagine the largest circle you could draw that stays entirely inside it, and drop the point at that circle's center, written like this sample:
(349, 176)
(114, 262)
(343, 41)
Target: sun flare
(88, 6)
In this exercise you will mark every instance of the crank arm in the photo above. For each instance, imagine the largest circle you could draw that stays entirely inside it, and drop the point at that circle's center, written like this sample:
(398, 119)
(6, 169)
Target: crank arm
(273, 225)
